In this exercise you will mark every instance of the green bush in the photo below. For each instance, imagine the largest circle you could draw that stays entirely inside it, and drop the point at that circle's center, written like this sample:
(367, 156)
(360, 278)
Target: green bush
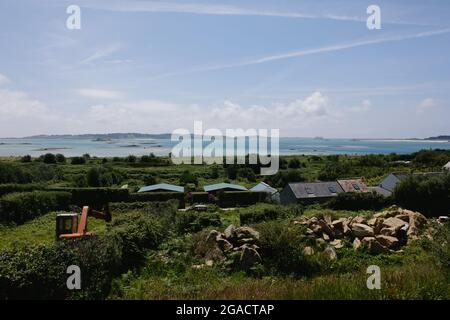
(359, 201)
(240, 198)
(157, 196)
(269, 213)
(428, 195)
(192, 221)
(95, 197)
(281, 246)
(13, 187)
(21, 207)
(103, 176)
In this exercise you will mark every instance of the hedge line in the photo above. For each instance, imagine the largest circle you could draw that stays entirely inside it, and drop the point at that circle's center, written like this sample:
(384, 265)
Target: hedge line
(359, 201)
(39, 272)
(14, 187)
(21, 207)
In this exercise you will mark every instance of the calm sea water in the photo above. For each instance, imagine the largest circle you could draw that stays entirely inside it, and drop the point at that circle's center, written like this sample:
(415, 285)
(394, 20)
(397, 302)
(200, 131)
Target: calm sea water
(160, 147)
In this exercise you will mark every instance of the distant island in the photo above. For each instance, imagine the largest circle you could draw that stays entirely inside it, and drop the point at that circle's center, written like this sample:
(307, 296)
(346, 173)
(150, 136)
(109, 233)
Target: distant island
(103, 136)
(447, 137)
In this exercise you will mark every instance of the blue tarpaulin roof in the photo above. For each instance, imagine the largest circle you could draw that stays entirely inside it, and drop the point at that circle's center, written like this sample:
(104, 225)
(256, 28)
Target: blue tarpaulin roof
(162, 187)
(221, 186)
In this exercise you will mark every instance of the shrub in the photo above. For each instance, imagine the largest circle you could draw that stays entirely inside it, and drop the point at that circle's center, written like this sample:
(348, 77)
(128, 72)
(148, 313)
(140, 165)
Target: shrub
(240, 198)
(78, 160)
(95, 197)
(12, 187)
(281, 246)
(191, 221)
(25, 159)
(269, 213)
(21, 207)
(12, 173)
(60, 158)
(103, 176)
(157, 196)
(359, 201)
(188, 177)
(48, 158)
(428, 195)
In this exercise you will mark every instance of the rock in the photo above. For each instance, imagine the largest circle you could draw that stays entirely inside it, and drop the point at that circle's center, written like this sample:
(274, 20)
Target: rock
(198, 266)
(358, 220)
(388, 241)
(330, 253)
(249, 257)
(361, 230)
(215, 254)
(224, 244)
(209, 263)
(356, 244)
(337, 244)
(326, 228)
(229, 232)
(338, 224)
(246, 241)
(388, 232)
(325, 237)
(404, 217)
(417, 222)
(212, 236)
(246, 232)
(372, 222)
(347, 230)
(443, 219)
(328, 220)
(316, 229)
(373, 246)
(308, 251)
(309, 231)
(394, 223)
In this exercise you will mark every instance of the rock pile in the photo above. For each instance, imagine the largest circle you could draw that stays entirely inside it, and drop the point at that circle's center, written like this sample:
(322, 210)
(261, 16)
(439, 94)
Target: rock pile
(236, 246)
(386, 231)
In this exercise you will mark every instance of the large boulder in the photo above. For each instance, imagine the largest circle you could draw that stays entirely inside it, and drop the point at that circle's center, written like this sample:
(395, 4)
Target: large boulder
(337, 244)
(373, 246)
(326, 228)
(388, 241)
(358, 220)
(362, 230)
(394, 223)
(249, 257)
(246, 232)
(417, 223)
(330, 252)
(230, 232)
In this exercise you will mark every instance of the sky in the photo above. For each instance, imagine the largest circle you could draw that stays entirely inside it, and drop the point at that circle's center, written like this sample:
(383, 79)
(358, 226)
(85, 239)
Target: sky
(308, 68)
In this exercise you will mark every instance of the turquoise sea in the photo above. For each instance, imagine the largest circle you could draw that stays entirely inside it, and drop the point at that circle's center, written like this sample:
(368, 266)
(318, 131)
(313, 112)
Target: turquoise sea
(161, 147)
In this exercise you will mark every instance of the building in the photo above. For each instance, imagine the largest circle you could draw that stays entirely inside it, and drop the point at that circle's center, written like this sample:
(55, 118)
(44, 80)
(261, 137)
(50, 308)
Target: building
(353, 185)
(382, 192)
(264, 187)
(162, 187)
(309, 192)
(447, 166)
(390, 182)
(224, 187)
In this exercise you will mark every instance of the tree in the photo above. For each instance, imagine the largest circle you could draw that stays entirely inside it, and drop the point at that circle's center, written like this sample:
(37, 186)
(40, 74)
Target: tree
(294, 163)
(60, 158)
(102, 176)
(26, 158)
(78, 160)
(187, 177)
(48, 158)
(150, 179)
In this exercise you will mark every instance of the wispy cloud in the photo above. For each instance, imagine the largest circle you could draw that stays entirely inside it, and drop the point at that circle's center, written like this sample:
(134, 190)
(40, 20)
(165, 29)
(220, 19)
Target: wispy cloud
(306, 52)
(4, 80)
(99, 94)
(425, 105)
(218, 9)
(101, 53)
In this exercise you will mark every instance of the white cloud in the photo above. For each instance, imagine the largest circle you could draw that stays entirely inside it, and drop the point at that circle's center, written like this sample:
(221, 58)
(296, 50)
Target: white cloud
(99, 94)
(306, 52)
(425, 105)
(218, 9)
(4, 80)
(101, 53)
(21, 115)
(363, 107)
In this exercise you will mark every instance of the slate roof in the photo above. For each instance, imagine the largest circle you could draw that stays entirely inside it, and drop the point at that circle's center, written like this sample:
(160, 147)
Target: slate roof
(380, 191)
(262, 186)
(222, 186)
(352, 185)
(305, 190)
(162, 187)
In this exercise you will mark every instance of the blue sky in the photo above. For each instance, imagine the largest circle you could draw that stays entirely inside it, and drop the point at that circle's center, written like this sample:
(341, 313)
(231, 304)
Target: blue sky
(309, 68)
